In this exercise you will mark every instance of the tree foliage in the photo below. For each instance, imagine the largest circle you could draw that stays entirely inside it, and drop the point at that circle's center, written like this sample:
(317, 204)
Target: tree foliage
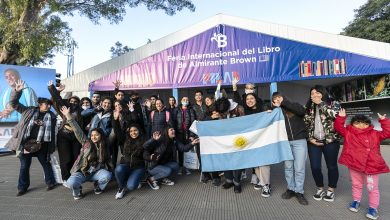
(31, 31)
(119, 49)
(372, 21)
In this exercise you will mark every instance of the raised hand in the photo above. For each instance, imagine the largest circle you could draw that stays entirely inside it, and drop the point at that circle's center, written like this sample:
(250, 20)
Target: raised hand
(342, 112)
(116, 114)
(117, 83)
(66, 111)
(131, 106)
(50, 83)
(381, 117)
(19, 85)
(195, 141)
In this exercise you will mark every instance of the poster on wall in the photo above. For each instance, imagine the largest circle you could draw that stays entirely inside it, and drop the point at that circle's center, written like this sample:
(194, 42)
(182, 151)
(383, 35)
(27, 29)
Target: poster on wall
(370, 108)
(35, 86)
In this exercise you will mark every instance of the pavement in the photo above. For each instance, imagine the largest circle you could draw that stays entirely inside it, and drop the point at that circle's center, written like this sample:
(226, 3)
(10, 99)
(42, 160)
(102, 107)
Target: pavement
(187, 199)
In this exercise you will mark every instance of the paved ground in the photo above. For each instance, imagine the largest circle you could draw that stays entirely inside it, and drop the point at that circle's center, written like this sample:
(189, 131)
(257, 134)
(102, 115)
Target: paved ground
(188, 199)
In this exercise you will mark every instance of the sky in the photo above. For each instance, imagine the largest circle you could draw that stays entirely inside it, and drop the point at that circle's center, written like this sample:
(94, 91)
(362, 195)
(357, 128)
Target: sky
(139, 24)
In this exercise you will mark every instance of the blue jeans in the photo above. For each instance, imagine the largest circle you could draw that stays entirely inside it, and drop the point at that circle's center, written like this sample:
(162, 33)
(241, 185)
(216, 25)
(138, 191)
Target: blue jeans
(102, 177)
(25, 163)
(123, 172)
(331, 153)
(164, 170)
(294, 170)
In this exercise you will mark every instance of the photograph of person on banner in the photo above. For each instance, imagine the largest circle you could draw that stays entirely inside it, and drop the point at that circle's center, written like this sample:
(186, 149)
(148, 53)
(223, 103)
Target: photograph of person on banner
(28, 97)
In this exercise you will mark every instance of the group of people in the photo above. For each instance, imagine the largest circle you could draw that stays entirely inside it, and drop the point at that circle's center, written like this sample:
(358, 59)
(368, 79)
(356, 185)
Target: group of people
(152, 137)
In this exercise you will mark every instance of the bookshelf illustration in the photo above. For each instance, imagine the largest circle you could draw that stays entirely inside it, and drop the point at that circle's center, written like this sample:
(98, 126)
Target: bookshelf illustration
(322, 67)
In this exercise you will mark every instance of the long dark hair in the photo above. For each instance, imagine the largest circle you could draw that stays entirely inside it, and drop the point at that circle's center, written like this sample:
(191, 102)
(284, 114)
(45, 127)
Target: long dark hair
(131, 143)
(101, 155)
(324, 93)
(259, 105)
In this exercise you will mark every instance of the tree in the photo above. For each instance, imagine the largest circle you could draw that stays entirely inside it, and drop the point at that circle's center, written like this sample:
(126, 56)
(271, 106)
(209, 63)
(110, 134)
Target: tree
(119, 49)
(32, 30)
(372, 21)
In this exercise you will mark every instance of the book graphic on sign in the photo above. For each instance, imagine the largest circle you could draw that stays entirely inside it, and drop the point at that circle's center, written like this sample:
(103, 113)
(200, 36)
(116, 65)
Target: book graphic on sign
(322, 67)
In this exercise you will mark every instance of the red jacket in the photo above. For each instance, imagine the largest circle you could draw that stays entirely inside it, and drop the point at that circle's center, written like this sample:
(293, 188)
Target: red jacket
(361, 151)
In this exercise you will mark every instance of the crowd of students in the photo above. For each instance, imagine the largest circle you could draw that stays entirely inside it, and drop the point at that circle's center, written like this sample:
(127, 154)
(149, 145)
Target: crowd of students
(152, 137)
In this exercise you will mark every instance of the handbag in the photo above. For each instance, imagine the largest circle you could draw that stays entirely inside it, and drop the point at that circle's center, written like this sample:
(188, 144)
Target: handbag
(191, 160)
(32, 146)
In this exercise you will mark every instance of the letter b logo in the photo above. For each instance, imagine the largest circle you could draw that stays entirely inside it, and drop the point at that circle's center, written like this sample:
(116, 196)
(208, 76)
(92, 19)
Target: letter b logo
(221, 40)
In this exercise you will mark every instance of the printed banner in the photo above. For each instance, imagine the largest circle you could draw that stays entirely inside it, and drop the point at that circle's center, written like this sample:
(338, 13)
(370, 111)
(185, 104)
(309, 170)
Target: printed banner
(224, 53)
(35, 86)
(238, 143)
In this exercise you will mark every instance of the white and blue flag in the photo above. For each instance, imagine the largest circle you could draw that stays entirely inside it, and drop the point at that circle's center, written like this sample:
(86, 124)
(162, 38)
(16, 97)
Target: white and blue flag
(244, 142)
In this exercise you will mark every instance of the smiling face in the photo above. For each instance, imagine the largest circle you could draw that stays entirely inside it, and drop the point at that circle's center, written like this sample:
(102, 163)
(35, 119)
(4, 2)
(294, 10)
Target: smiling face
(95, 98)
(106, 104)
(250, 101)
(118, 106)
(134, 132)
(44, 107)
(120, 96)
(171, 133)
(208, 101)
(11, 77)
(172, 102)
(159, 105)
(95, 137)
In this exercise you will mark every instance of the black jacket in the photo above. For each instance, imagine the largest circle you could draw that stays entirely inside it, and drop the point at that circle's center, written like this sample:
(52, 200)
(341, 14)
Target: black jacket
(293, 114)
(189, 118)
(166, 150)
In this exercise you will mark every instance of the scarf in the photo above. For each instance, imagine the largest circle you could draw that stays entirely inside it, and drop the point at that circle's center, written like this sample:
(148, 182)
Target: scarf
(44, 133)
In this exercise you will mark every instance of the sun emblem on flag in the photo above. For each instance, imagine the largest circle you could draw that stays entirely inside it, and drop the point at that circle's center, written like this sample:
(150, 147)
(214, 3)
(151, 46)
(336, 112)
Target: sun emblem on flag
(240, 142)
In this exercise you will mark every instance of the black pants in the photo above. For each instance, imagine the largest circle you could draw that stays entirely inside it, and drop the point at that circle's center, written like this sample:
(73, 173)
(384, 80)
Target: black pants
(330, 152)
(68, 150)
(182, 137)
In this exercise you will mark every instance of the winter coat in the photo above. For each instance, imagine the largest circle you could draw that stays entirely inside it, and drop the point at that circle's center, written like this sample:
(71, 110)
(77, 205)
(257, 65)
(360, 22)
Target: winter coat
(293, 115)
(327, 114)
(166, 150)
(103, 121)
(200, 111)
(189, 118)
(90, 155)
(160, 121)
(132, 151)
(361, 151)
(15, 143)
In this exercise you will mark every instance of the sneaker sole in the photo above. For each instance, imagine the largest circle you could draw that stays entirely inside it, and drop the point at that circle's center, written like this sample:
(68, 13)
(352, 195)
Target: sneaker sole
(329, 200)
(154, 188)
(353, 210)
(317, 199)
(257, 188)
(265, 196)
(372, 217)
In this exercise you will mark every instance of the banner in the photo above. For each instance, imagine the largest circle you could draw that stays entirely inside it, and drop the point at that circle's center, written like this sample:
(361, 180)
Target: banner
(35, 86)
(238, 143)
(224, 53)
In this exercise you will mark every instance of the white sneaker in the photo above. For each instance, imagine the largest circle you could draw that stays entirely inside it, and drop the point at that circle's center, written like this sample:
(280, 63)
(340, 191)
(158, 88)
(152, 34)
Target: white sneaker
(167, 182)
(254, 179)
(65, 184)
(120, 193)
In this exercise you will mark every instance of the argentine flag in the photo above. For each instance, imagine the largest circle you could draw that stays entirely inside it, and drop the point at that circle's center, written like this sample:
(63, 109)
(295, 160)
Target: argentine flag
(243, 142)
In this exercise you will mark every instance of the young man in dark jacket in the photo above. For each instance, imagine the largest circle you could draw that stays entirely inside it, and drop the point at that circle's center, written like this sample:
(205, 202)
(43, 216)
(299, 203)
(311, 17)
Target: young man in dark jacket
(297, 134)
(34, 137)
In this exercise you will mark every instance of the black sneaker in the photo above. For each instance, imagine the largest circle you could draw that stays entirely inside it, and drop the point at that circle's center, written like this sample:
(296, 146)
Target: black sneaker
(153, 184)
(21, 192)
(329, 197)
(205, 178)
(258, 187)
(266, 191)
(50, 187)
(319, 194)
(301, 199)
(288, 194)
(97, 189)
(167, 182)
(237, 189)
(216, 182)
(227, 185)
